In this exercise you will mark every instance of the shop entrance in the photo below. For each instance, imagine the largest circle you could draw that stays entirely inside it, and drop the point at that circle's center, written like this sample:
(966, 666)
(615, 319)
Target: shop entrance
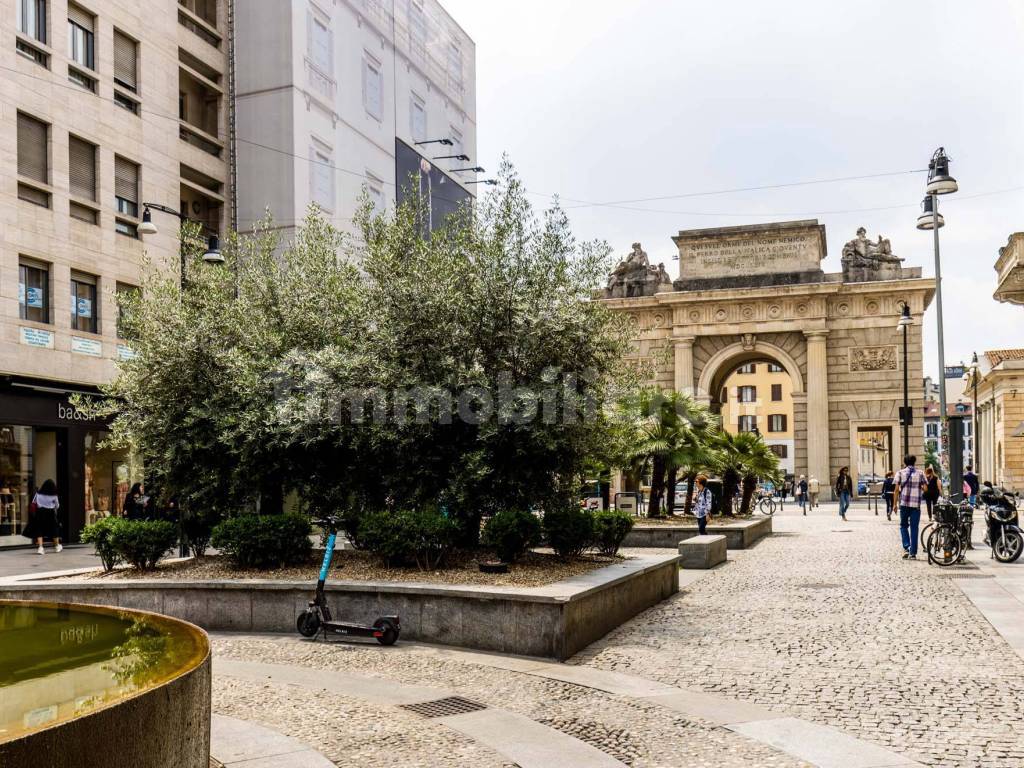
(28, 457)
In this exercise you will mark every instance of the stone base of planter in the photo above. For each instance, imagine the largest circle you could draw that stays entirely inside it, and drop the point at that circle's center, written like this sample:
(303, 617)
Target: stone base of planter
(739, 534)
(702, 552)
(553, 621)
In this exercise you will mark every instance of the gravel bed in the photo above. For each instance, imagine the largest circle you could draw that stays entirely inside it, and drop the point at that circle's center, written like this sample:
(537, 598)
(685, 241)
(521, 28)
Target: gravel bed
(534, 570)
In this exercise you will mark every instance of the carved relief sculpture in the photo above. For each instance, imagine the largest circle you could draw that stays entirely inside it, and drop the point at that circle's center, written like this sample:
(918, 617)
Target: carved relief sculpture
(864, 260)
(634, 276)
(881, 358)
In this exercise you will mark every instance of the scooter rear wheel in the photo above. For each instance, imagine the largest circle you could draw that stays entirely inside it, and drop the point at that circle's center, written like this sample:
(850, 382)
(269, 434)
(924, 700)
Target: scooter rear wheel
(308, 623)
(389, 633)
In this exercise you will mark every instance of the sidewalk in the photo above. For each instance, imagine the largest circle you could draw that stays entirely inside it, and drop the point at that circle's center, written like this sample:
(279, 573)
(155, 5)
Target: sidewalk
(19, 562)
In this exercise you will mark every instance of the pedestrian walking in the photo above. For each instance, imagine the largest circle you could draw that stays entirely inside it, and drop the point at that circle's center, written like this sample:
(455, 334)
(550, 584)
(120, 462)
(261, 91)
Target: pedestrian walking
(702, 504)
(135, 503)
(42, 517)
(844, 490)
(813, 489)
(911, 485)
(973, 486)
(933, 490)
(801, 493)
(888, 489)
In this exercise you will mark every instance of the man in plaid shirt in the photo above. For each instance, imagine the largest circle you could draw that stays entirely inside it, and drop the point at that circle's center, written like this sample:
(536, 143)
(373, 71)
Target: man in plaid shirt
(910, 486)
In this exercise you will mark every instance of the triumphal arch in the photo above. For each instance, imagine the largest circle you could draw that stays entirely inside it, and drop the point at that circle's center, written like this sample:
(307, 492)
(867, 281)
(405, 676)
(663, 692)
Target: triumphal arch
(758, 293)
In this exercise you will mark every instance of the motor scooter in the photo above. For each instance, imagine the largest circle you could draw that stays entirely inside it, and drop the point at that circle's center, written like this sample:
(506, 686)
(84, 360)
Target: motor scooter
(1002, 523)
(317, 617)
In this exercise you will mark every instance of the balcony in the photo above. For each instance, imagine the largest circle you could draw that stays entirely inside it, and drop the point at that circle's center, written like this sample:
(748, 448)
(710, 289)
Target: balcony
(202, 206)
(200, 18)
(199, 111)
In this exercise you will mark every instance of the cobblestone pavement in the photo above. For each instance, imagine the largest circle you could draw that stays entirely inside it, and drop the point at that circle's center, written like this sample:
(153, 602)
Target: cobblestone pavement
(826, 622)
(353, 733)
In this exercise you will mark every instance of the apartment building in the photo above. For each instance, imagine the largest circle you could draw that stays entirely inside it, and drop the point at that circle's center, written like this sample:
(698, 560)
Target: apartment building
(105, 106)
(341, 98)
(758, 396)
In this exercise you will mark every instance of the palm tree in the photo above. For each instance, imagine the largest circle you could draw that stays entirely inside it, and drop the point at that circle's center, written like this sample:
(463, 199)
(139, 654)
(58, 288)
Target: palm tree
(745, 458)
(694, 452)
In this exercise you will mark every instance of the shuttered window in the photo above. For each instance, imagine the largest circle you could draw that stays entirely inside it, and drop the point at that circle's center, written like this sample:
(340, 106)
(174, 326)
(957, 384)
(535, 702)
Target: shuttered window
(82, 168)
(126, 186)
(32, 149)
(125, 61)
(81, 37)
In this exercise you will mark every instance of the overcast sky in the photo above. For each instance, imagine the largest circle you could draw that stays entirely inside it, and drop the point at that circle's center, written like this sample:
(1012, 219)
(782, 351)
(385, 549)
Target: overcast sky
(607, 101)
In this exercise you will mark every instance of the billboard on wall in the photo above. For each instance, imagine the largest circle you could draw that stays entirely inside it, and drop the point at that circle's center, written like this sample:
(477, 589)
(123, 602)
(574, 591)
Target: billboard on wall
(415, 173)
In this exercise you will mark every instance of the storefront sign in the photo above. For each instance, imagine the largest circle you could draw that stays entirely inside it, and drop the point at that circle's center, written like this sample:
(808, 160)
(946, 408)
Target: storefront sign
(86, 346)
(67, 412)
(124, 352)
(36, 337)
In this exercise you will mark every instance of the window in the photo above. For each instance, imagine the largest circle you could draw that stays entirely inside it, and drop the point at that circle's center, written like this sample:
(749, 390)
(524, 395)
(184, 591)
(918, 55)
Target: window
(33, 159)
(126, 186)
(748, 368)
(80, 37)
(321, 178)
(723, 396)
(782, 451)
(417, 118)
(931, 429)
(82, 178)
(417, 30)
(125, 294)
(746, 394)
(84, 310)
(777, 422)
(455, 66)
(321, 45)
(775, 368)
(33, 291)
(125, 62)
(372, 83)
(456, 136)
(126, 103)
(375, 191)
(776, 392)
(32, 19)
(747, 423)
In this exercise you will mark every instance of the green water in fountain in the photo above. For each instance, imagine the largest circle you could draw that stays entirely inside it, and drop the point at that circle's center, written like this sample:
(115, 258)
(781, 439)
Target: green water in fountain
(59, 662)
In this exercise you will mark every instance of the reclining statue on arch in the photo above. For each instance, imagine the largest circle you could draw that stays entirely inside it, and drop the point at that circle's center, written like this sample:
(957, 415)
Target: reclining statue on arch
(866, 260)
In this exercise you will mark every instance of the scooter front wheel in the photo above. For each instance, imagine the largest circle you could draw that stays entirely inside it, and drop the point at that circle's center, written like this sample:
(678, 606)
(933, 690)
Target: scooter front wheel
(1008, 547)
(308, 623)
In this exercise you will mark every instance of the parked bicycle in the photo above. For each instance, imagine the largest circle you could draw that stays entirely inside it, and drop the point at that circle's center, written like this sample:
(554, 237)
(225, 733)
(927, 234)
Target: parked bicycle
(949, 532)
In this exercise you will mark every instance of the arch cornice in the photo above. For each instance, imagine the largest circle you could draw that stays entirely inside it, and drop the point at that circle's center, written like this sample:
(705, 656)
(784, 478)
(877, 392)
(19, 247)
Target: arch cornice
(722, 356)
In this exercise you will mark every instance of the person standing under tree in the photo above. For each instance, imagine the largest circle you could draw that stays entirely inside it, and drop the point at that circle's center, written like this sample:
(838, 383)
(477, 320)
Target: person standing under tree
(844, 490)
(911, 485)
(42, 521)
(702, 504)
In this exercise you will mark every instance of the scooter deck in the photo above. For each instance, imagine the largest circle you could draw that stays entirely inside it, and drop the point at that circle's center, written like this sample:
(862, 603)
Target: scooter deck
(346, 628)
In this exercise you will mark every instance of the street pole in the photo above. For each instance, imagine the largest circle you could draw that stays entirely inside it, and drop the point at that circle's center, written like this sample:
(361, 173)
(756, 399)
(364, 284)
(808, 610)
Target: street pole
(906, 398)
(943, 423)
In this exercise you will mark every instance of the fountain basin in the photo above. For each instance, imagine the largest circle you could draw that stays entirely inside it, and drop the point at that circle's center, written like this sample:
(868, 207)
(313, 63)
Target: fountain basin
(87, 686)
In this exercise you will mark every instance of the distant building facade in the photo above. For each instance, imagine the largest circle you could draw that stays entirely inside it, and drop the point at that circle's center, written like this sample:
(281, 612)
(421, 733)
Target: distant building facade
(759, 396)
(1000, 442)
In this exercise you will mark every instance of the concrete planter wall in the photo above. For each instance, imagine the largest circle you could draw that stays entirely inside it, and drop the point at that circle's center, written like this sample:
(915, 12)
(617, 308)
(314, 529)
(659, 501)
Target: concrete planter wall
(739, 534)
(553, 621)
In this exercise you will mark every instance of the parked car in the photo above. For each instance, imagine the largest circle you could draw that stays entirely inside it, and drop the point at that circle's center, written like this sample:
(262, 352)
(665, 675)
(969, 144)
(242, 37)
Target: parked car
(681, 494)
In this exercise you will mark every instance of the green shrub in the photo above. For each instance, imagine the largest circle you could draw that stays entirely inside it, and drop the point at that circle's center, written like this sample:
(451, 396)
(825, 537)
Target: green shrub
(399, 537)
(610, 529)
(264, 541)
(98, 534)
(511, 533)
(199, 530)
(142, 542)
(569, 530)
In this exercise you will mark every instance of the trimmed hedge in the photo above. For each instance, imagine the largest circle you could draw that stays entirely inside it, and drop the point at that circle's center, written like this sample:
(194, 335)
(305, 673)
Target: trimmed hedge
(569, 530)
(511, 533)
(264, 541)
(399, 537)
(98, 534)
(142, 542)
(610, 529)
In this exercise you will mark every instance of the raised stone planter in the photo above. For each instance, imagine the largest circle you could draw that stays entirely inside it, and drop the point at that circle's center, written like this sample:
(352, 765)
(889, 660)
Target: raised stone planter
(739, 534)
(553, 621)
(702, 552)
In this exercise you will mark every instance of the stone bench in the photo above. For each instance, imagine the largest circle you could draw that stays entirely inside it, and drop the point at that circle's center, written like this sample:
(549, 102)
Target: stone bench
(702, 551)
(739, 534)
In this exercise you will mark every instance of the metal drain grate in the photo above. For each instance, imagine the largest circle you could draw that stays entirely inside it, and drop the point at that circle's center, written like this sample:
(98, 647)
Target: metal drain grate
(452, 705)
(956, 575)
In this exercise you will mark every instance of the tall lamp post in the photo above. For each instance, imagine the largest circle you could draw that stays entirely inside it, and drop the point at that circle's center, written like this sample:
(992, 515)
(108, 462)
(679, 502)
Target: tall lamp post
(906, 416)
(971, 378)
(939, 183)
(211, 256)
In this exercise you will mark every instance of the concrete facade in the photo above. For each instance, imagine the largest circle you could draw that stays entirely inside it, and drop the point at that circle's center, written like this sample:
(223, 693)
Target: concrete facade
(325, 87)
(837, 340)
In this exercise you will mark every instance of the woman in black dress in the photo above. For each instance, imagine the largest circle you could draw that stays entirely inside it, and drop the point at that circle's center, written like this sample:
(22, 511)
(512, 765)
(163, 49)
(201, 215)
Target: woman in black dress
(934, 489)
(43, 522)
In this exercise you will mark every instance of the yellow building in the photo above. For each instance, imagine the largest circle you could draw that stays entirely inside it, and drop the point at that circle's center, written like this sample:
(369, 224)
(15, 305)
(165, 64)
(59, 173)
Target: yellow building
(1000, 394)
(759, 395)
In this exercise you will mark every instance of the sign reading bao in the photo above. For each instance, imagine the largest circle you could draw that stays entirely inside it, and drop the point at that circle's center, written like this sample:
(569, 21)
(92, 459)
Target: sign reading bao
(759, 249)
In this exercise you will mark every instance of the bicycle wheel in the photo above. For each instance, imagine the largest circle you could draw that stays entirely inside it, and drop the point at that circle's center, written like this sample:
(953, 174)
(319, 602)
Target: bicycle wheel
(924, 534)
(944, 546)
(768, 506)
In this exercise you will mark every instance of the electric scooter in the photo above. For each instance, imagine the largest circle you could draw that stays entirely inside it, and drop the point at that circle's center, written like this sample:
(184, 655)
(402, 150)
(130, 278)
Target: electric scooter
(317, 617)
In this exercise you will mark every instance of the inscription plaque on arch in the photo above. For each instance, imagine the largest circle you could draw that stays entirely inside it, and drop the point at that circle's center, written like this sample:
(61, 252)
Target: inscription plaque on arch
(758, 249)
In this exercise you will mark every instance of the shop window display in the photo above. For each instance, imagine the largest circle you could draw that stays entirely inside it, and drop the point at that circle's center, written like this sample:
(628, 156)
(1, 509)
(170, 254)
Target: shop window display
(16, 480)
(109, 474)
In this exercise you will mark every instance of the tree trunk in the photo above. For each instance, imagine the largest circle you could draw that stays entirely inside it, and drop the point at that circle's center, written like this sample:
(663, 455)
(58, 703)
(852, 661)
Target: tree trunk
(730, 482)
(657, 486)
(670, 491)
(691, 478)
(749, 484)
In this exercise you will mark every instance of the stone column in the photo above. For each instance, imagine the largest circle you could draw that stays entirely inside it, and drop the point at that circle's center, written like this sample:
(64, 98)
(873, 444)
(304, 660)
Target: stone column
(683, 363)
(817, 411)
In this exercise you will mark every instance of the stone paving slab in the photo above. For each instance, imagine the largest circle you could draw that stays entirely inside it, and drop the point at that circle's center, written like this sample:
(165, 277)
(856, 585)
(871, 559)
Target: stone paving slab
(241, 744)
(820, 745)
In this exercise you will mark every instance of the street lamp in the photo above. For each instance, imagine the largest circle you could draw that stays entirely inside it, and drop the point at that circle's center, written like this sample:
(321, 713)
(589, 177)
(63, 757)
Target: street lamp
(906, 417)
(212, 255)
(939, 183)
(971, 378)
